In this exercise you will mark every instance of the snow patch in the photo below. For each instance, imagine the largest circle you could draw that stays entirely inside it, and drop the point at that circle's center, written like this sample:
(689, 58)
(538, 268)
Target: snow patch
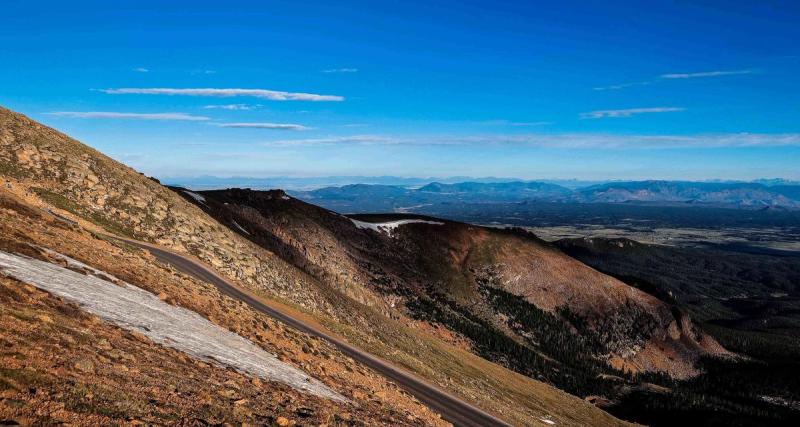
(547, 421)
(389, 227)
(197, 197)
(236, 224)
(133, 308)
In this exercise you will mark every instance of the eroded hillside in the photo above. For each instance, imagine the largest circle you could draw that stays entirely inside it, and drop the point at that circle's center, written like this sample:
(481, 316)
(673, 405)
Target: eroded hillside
(77, 194)
(502, 294)
(62, 364)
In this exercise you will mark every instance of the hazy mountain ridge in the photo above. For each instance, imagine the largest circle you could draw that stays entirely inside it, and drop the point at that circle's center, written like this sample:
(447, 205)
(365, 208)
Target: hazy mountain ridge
(746, 195)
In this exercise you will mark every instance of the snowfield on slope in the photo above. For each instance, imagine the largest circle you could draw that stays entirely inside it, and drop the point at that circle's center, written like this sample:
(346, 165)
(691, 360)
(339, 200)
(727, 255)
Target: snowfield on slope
(236, 224)
(389, 227)
(197, 197)
(133, 308)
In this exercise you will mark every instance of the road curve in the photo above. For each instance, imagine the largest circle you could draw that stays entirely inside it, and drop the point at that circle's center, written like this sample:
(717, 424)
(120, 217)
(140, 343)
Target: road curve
(452, 409)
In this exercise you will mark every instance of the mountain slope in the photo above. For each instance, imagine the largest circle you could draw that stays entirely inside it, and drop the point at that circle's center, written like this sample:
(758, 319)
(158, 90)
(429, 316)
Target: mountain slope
(81, 188)
(89, 370)
(725, 290)
(453, 275)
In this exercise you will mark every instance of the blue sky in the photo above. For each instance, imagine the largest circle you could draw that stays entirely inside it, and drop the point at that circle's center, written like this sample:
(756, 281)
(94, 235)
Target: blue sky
(588, 90)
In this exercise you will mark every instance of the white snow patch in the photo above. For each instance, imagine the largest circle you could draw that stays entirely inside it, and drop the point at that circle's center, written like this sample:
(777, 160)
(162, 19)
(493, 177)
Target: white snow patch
(285, 197)
(547, 421)
(197, 197)
(236, 224)
(133, 308)
(388, 227)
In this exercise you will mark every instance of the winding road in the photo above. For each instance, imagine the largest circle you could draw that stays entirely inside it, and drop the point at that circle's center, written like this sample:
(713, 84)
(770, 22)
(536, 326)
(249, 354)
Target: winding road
(452, 409)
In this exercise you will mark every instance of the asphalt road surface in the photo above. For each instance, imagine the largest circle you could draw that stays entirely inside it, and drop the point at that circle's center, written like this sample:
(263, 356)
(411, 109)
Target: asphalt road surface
(452, 409)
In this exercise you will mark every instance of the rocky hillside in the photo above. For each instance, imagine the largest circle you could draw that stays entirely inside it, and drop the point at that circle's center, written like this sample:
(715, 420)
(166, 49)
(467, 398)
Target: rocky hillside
(62, 364)
(92, 187)
(65, 187)
(476, 287)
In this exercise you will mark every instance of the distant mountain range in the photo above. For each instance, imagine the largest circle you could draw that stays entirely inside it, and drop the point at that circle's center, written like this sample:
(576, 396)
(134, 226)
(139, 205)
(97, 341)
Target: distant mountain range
(313, 183)
(746, 195)
(210, 182)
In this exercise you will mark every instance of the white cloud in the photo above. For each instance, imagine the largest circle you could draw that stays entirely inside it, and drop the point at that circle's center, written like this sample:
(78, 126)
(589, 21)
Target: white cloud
(623, 85)
(273, 95)
(136, 116)
(605, 141)
(233, 107)
(274, 126)
(563, 141)
(511, 123)
(675, 76)
(628, 112)
(336, 140)
(234, 155)
(704, 74)
(341, 70)
(141, 70)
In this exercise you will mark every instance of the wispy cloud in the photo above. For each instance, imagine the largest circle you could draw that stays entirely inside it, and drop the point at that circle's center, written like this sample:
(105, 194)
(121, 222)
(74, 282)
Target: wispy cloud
(341, 70)
(141, 70)
(272, 95)
(623, 85)
(135, 116)
(627, 112)
(512, 123)
(234, 155)
(673, 76)
(337, 140)
(233, 107)
(704, 74)
(273, 126)
(561, 141)
(203, 72)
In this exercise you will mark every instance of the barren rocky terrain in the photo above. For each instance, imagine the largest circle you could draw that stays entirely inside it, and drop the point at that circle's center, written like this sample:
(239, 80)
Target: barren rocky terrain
(61, 195)
(408, 265)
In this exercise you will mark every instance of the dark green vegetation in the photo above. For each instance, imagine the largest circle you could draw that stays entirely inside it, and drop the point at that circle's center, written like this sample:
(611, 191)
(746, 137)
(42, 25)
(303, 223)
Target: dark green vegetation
(542, 345)
(727, 290)
(749, 303)
(548, 352)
